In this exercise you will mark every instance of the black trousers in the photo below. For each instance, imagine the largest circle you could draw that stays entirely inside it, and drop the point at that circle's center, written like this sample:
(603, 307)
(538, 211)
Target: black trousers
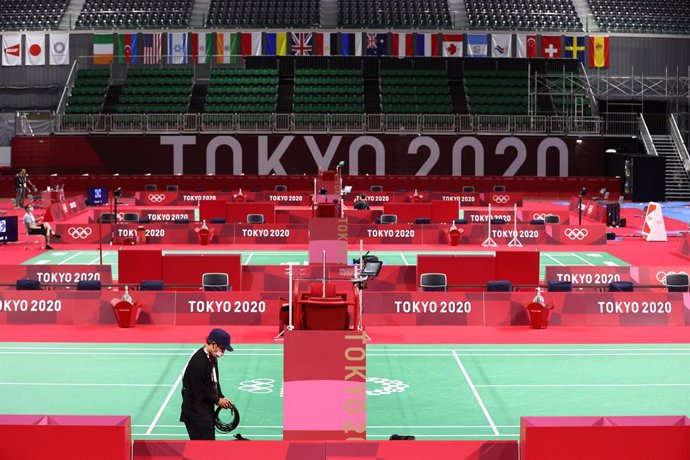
(201, 430)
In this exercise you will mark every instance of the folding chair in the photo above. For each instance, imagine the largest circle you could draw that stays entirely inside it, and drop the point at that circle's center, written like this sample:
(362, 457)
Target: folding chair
(255, 218)
(499, 286)
(215, 282)
(389, 219)
(433, 282)
(677, 282)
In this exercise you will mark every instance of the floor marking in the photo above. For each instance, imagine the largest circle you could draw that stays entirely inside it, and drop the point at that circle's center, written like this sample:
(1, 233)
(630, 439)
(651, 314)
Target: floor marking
(435, 427)
(96, 260)
(476, 394)
(56, 254)
(134, 354)
(594, 254)
(554, 259)
(584, 260)
(453, 435)
(611, 264)
(59, 384)
(251, 254)
(184, 435)
(167, 399)
(404, 259)
(421, 355)
(279, 427)
(64, 261)
(41, 262)
(584, 385)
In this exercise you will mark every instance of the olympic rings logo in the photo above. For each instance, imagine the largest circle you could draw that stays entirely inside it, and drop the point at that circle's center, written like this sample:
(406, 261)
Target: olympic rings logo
(661, 276)
(388, 386)
(257, 386)
(576, 233)
(537, 216)
(79, 233)
(501, 199)
(156, 197)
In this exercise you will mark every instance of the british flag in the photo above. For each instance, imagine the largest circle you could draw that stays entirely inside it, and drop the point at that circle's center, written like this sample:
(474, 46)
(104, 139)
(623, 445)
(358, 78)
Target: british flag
(301, 44)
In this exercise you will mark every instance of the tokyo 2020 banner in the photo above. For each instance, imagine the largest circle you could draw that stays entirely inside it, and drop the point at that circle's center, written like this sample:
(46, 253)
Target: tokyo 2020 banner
(303, 154)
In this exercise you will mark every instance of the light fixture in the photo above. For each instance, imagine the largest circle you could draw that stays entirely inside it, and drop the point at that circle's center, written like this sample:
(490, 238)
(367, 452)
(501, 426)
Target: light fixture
(611, 151)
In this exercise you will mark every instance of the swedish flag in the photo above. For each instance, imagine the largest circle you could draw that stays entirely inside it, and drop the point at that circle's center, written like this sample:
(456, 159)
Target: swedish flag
(574, 48)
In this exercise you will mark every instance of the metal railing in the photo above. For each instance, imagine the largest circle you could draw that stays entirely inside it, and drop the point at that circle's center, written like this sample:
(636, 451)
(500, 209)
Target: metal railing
(646, 137)
(66, 90)
(678, 141)
(328, 123)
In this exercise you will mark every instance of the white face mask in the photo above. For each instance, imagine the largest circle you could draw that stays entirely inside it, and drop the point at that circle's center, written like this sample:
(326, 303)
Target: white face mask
(218, 354)
(31, 209)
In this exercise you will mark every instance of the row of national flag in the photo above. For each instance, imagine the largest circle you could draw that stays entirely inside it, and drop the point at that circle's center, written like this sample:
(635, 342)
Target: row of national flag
(35, 49)
(224, 47)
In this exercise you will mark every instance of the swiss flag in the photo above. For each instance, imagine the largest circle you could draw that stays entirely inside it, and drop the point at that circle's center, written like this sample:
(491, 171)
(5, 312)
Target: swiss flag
(35, 49)
(551, 46)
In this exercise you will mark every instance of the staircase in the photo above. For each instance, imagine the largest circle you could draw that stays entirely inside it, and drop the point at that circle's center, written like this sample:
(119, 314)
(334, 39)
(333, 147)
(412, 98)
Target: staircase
(111, 98)
(458, 14)
(329, 14)
(198, 99)
(588, 23)
(71, 14)
(286, 93)
(372, 97)
(677, 180)
(199, 14)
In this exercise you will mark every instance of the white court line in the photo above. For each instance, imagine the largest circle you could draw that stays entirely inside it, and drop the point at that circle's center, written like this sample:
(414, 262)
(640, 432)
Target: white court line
(476, 394)
(451, 435)
(404, 259)
(41, 262)
(583, 259)
(59, 384)
(251, 254)
(87, 353)
(421, 355)
(611, 264)
(167, 398)
(279, 427)
(554, 259)
(126, 349)
(584, 385)
(185, 435)
(64, 261)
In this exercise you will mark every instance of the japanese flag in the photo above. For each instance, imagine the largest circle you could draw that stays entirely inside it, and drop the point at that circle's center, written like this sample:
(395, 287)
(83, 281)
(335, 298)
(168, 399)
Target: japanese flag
(35, 50)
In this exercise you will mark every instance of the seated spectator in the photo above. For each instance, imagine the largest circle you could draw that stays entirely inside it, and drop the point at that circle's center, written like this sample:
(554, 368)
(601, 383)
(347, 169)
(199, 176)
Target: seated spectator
(32, 228)
(361, 202)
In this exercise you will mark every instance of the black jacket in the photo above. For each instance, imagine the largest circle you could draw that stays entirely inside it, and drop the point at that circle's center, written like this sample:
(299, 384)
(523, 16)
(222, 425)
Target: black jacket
(199, 393)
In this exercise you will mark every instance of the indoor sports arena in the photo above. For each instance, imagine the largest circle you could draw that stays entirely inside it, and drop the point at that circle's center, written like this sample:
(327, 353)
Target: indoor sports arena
(344, 229)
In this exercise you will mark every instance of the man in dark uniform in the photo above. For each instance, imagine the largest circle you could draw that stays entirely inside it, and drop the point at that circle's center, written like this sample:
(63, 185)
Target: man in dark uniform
(201, 390)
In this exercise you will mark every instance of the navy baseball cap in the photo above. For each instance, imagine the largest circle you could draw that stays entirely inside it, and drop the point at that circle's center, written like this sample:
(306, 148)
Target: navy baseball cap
(221, 337)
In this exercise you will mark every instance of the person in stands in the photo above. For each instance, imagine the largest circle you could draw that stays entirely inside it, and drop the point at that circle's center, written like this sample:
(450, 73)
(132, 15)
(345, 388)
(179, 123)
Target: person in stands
(361, 202)
(34, 228)
(201, 390)
(21, 186)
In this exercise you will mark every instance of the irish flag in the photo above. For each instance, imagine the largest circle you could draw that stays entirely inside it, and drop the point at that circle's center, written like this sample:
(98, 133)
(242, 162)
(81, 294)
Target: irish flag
(102, 48)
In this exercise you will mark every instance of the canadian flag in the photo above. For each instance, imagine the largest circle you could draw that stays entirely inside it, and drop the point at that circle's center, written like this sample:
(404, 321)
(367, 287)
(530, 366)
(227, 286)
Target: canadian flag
(35, 49)
(11, 50)
(452, 45)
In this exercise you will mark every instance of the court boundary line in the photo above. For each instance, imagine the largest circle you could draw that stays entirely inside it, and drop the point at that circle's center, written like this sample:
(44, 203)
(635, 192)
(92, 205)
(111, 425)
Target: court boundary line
(583, 259)
(249, 258)
(437, 355)
(582, 385)
(83, 384)
(476, 394)
(169, 397)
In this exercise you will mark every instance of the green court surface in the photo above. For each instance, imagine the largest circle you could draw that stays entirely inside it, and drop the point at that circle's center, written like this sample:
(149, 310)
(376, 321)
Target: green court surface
(300, 258)
(430, 391)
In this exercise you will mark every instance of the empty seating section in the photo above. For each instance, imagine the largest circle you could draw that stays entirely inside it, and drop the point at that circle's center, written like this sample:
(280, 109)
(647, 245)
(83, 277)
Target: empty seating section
(137, 14)
(88, 92)
(430, 14)
(645, 16)
(31, 14)
(264, 13)
(569, 94)
(328, 91)
(233, 90)
(415, 91)
(523, 15)
(497, 92)
(156, 91)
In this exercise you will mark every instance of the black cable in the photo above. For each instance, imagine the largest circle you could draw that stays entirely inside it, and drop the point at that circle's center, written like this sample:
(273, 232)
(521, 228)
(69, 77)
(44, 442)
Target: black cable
(223, 427)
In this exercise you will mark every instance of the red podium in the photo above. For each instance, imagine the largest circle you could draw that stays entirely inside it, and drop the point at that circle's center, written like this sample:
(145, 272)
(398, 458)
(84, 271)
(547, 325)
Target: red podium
(205, 236)
(538, 315)
(126, 313)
